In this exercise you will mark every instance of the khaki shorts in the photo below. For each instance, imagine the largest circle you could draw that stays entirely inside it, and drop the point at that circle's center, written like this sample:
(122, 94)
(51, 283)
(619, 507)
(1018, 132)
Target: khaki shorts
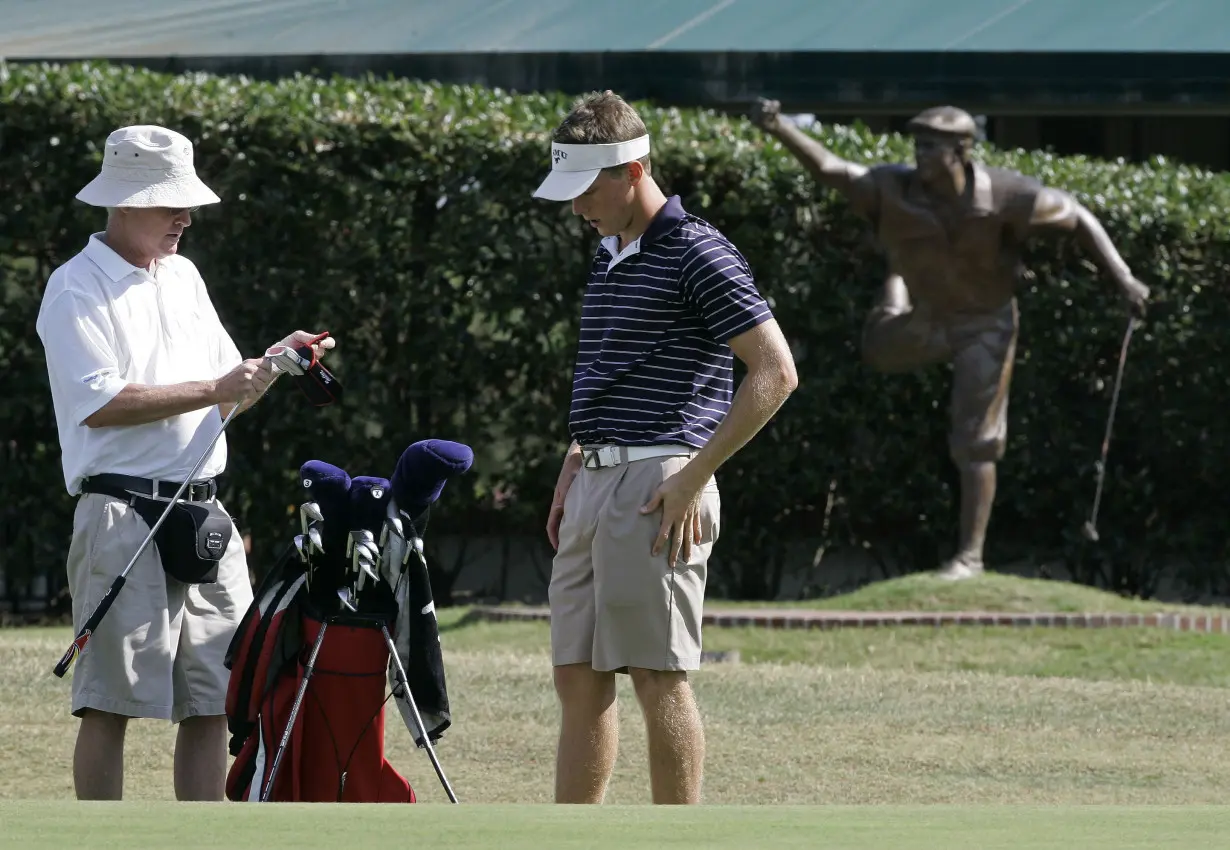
(981, 350)
(613, 604)
(159, 650)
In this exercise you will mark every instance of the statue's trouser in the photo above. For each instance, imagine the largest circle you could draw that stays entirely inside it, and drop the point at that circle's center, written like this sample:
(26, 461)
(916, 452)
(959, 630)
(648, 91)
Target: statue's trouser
(901, 338)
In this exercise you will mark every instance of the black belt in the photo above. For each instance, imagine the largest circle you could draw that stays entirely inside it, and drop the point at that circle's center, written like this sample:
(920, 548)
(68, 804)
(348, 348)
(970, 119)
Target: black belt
(108, 483)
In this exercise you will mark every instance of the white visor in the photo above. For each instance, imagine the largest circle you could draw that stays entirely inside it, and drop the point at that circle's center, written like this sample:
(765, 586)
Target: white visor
(574, 167)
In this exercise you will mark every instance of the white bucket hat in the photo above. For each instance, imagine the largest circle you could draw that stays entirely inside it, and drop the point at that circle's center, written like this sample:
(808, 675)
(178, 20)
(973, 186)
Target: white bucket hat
(575, 167)
(147, 166)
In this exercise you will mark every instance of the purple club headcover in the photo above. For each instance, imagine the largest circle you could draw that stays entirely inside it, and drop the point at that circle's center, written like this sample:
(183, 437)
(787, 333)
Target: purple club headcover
(423, 469)
(320, 477)
(329, 487)
(369, 502)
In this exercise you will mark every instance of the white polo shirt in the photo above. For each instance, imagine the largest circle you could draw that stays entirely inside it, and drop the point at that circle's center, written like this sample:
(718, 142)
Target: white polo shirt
(106, 323)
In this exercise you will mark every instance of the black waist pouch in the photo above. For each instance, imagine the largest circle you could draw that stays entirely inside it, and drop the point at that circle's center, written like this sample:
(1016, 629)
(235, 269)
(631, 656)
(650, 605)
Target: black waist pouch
(191, 540)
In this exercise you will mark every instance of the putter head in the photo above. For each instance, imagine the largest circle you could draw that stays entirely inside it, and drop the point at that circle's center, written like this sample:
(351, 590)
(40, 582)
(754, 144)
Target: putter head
(1091, 533)
(287, 359)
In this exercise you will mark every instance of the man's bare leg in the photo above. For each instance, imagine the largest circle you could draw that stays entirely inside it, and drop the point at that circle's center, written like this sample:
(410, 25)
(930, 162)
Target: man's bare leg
(98, 758)
(589, 733)
(676, 734)
(200, 759)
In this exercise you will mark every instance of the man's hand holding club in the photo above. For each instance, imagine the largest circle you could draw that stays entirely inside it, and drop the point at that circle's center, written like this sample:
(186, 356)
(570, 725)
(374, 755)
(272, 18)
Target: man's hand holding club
(244, 385)
(295, 354)
(299, 356)
(288, 356)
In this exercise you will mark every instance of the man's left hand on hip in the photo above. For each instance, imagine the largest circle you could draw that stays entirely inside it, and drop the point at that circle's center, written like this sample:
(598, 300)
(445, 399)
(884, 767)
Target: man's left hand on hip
(679, 498)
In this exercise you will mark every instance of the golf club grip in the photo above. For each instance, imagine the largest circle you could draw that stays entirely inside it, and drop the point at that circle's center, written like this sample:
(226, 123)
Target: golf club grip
(87, 631)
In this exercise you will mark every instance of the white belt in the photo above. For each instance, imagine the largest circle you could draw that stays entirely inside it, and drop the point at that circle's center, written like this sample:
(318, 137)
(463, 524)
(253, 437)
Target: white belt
(596, 457)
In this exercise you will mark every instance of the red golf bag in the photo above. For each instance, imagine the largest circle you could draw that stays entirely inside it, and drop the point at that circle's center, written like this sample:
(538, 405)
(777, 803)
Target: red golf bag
(335, 752)
(345, 612)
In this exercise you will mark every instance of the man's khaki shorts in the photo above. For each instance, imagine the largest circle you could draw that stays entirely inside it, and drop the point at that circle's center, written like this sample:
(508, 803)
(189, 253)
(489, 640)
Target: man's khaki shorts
(613, 604)
(159, 650)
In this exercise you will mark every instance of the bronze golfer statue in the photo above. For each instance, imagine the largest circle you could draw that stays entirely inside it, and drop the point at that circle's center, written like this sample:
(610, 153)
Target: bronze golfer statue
(953, 232)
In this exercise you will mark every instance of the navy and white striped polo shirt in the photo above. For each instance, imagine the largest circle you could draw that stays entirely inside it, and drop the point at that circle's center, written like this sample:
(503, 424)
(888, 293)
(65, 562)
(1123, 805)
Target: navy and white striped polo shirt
(653, 364)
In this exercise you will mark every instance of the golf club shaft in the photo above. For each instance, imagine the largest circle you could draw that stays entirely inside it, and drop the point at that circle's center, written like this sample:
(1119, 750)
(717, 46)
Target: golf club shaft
(83, 637)
(294, 711)
(418, 720)
(1110, 422)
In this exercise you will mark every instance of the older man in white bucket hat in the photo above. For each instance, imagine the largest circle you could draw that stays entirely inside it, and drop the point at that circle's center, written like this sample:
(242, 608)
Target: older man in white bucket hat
(142, 373)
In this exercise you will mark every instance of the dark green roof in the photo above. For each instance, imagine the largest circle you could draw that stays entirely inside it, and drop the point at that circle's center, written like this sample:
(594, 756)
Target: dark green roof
(64, 28)
(831, 55)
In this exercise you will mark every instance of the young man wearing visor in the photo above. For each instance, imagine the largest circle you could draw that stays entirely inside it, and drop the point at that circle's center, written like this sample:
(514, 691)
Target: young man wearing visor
(636, 511)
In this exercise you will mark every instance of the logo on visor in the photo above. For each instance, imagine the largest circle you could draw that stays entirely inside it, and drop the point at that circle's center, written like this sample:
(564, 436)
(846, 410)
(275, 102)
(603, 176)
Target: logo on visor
(557, 155)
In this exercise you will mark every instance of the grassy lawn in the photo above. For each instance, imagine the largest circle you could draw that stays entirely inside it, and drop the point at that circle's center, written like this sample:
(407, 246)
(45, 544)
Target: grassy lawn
(1142, 654)
(44, 826)
(990, 592)
(966, 720)
(1148, 655)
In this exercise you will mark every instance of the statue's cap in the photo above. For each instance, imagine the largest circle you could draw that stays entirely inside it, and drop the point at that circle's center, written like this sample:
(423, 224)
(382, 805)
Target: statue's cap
(945, 121)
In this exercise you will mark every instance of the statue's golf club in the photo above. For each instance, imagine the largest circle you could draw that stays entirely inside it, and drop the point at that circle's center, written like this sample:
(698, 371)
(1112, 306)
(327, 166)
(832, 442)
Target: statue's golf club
(1090, 528)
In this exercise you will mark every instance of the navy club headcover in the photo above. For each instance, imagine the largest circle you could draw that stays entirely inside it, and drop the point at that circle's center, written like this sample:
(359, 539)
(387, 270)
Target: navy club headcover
(329, 487)
(320, 477)
(422, 471)
(369, 501)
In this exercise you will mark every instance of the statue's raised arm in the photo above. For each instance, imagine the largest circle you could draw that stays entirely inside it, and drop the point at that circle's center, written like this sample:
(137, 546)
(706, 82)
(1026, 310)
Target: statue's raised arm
(853, 180)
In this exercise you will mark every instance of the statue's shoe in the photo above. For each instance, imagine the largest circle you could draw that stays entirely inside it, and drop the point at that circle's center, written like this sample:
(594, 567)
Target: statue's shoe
(960, 568)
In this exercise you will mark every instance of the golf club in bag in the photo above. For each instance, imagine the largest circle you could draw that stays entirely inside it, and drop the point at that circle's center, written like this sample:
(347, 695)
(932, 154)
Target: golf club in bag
(341, 616)
(324, 390)
(366, 557)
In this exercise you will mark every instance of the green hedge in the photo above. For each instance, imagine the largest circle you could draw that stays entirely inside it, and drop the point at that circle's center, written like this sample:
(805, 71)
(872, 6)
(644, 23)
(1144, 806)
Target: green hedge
(398, 215)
